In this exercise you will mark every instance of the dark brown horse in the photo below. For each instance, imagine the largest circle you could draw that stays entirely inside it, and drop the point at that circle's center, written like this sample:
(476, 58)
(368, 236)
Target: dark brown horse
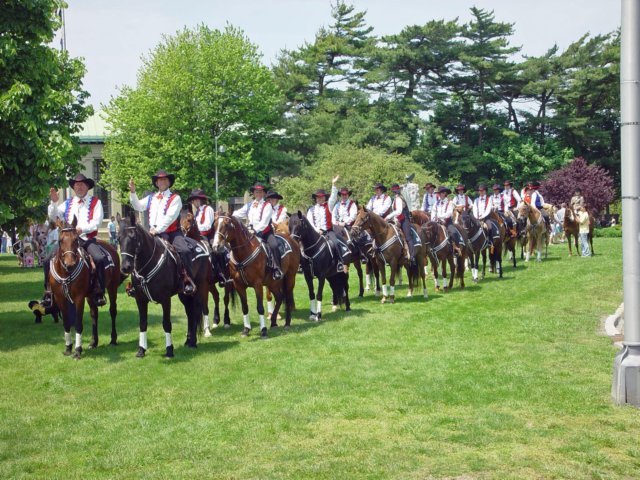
(70, 280)
(440, 253)
(572, 229)
(156, 277)
(248, 268)
(215, 275)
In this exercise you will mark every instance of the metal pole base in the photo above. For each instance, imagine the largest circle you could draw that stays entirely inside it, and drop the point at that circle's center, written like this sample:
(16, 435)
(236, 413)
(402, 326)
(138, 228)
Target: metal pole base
(626, 376)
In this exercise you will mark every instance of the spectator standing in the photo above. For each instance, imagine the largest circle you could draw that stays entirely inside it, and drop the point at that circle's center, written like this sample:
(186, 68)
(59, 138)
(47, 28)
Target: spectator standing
(583, 220)
(112, 231)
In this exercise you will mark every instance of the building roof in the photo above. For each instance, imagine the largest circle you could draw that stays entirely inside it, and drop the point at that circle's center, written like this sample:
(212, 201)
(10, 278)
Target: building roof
(93, 130)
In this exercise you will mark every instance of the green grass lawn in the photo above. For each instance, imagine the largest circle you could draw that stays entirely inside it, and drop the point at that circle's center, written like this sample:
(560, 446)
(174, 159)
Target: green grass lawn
(508, 379)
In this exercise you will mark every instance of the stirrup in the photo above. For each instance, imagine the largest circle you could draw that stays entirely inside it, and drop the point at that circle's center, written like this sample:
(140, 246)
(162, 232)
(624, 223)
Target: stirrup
(130, 290)
(277, 273)
(47, 299)
(101, 301)
(188, 288)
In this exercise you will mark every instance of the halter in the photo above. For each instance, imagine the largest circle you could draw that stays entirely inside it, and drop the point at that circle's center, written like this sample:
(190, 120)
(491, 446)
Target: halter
(241, 265)
(67, 252)
(74, 274)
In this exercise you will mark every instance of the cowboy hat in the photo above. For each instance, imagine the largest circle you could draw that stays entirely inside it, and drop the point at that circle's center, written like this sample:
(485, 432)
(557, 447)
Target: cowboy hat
(534, 184)
(319, 193)
(345, 190)
(461, 186)
(81, 178)
(429, 185)
(446, 190)
(257, 186)
(508, 182)
(482, 186)
(496, 187)
(197, 193)
(380, 186)
(273, 194)
(162, 174)
(395, 187)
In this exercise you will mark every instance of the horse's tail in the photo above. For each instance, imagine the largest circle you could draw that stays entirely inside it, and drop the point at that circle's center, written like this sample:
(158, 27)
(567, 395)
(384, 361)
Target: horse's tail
(414, 274)
(232, 294)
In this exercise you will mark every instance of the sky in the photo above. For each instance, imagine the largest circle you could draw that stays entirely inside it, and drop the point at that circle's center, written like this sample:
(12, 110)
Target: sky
(113, 36)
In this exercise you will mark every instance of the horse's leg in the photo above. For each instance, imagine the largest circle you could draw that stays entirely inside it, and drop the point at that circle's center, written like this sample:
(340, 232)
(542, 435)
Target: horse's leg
(394, 269)
(590, 237)
(484, 263)
(274, 314)
(216, 309)
(368, 273)
(321, 281)
(383, 274)
(475, 259)
(452, 266)
(568, 235)
(541, 239)
(227, 294)
(143, 307)
(113, 305)
(260, 307)
(242, 293)
(68, 316)
(166, 326)
(460, 270)
(79, 309)
(93, 313)
(288, 287)
(376, 275)
(358, 267)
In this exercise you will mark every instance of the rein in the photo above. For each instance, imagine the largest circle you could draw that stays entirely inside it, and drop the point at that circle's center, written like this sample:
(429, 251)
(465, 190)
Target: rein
(242, 265)
(67, 281)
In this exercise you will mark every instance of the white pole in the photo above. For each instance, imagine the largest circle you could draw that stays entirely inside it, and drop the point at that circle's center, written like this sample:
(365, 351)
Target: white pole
(626, 367)
(216, 147)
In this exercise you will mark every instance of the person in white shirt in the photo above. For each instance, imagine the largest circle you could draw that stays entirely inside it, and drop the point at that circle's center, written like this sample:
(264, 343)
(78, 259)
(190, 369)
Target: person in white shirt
(204, 214)
(430, 197)
(258, 214)
(380, 203)
(164, 209)
(497, 202)
(280, 214)
(510, 197)
(462, 201)
(400, 213)
(88, 212)
(442, 212)
(482, 208)
(537, 201)
(345, 211)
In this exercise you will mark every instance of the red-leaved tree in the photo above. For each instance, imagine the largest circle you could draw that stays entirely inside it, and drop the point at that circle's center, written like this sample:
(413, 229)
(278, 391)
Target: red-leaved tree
(595, 183)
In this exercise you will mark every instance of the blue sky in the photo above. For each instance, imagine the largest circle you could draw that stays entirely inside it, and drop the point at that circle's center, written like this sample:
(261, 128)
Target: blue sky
(112, 36)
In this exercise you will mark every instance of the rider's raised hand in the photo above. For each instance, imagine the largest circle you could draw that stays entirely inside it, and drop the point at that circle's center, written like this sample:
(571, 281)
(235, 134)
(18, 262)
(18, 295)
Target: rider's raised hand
(335, 179)
(132, 186)
(53, 195)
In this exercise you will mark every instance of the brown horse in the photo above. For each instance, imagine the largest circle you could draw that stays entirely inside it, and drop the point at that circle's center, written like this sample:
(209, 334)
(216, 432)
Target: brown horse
(440, 253)
(248, 268)
(389, 248)
(190, 229)
(572, 228)
(420, 217)
(536, 230)
(70, 280)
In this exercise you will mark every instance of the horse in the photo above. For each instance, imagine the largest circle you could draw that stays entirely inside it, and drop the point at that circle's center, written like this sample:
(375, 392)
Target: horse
(217, 263)
(389, 247)
(155, 270)
(495, 252)
(319, 261)
(477, 243)
(537, 230)
(248, 269)
(420, 217)
(572, 228)
(509, 240)
(70, 281)
(440, 252)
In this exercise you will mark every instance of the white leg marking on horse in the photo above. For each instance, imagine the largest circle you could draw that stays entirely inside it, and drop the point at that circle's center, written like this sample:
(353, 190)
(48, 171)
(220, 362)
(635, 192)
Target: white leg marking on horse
(167, 337)
(143, 340)
(313, 306)
(206, 322)
(270, 307)
(319, 306)
(245, 320)
(334, 308)
(424, 291)
(78, 340)
(67, 338)
(392, 290)
(367, 282)
(384, 290)
(262, 325)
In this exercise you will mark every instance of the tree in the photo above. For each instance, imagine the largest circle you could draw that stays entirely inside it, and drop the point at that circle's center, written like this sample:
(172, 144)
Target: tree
(197, 87)
(359, 170)
(596, 184)
(42, 106)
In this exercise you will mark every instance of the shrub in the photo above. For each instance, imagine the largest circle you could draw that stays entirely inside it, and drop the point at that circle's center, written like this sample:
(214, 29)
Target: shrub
(608, 232)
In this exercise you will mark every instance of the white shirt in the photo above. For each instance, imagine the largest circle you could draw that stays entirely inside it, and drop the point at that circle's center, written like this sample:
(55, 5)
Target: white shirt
(428, 201)
(319, 215)
(462, 199)
(379, 204)
(258, 214)
(442, 210)
(204, 218)
(496, 202)
(79, 208)
(279, 214)
(397, 206)
(482, 207)
(507, 195)
(537, 199)
(560, 215)
(164, 209)
(345, 213)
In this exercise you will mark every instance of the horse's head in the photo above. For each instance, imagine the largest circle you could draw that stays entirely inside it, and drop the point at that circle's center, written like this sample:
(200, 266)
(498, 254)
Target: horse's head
(283, 227)
(362, 222)
(430, 230)
(69, 244)
(188, 224)
(226, 229)
(129, 241)
(468, 221)
(523, 211)
(298, 226)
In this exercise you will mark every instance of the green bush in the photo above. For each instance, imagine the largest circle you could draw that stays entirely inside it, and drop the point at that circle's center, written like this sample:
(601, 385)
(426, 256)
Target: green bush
(359, 170)
(608, 232)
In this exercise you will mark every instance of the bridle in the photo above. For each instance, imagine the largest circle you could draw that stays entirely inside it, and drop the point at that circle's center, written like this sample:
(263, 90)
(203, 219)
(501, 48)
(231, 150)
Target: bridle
(62, 254)
(137, 250)
(225, 236)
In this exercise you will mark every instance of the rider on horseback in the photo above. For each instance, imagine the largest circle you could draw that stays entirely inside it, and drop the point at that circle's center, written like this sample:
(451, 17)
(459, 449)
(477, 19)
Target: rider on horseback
(462, 200)
(279, 211)
(499, 206)
(577, 202)
(319, 216)
(442, 213)
(259, 213)
(380, 203)
(164, 217)
(430, 197)
(87, 209)
(538, 202)
(345, 211)
(400, 213)
(482, 209)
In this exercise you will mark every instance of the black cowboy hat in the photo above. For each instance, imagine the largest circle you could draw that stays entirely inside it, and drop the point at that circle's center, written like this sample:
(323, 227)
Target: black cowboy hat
(81, 178)
(344, 190)
(319, 193)
(197, 193)
(482, 186)
(162, 174)
(395, 187)
(496, 187)
(461, 186)
(508, 182)
(429, 185)
(257, 186)
(534, 184)
(380, 186)
(273, 194)
(446, 190)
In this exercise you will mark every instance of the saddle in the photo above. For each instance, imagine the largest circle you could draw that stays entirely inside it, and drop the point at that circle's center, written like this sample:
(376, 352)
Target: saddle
(197, 249)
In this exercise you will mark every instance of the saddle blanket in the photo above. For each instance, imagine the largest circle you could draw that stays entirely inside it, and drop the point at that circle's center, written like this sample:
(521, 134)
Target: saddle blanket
(197, 249)
(416, 237)
(284, 248)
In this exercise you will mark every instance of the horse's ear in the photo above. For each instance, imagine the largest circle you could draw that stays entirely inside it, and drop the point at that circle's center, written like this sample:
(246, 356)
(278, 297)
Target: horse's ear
(132, 218)
(59, 223)
(74, 222)
(299, 214)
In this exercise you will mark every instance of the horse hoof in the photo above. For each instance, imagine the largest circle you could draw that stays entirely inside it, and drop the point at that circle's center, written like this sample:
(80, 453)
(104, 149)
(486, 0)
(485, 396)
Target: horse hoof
(192, 345)
(313, 317)
(215, 325)
(392, 300)
(245, 332)
(263, 333)
(378, 293)
(140, 353)
(92, 346)
(287, 327)
(169, 353)
(113, 343)
(384, 300)
(334, 308)
(68, 350)
(77, 355)
(227, 325)
(207, 332)
(273, 325)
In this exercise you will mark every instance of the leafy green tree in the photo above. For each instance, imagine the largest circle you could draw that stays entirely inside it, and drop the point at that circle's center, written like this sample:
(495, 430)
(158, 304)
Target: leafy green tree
(42, 105)
(195, 87)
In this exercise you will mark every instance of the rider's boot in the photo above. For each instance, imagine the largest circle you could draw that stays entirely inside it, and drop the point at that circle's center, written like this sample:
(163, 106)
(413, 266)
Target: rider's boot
(99, 288)
(188, 287)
